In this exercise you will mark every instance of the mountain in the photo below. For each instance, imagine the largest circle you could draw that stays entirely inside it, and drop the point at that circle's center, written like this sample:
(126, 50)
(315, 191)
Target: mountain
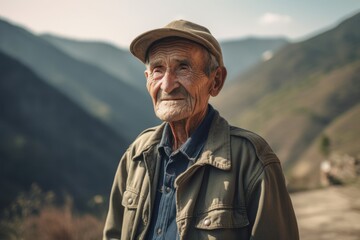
(242, 54)
(295, 96)
(46, 138)
(118, 62)
(122, 106)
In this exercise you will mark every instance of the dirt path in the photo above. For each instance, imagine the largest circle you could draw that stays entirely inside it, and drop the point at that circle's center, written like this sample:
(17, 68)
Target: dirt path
(331, 213)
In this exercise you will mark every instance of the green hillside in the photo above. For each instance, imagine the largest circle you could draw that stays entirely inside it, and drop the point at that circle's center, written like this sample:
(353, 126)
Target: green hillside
(291, 116)
(343, 134)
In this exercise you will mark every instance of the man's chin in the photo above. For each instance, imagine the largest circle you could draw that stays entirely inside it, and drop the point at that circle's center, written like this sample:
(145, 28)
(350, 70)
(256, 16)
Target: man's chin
(170, 116)
(172, 111)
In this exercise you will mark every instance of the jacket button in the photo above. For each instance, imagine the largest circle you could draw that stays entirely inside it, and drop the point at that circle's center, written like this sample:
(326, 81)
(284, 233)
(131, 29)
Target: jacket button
(130, 201)
(207, 222)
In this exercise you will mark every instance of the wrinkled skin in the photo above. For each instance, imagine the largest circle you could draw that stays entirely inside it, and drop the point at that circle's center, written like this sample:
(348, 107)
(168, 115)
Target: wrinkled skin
(179, 88)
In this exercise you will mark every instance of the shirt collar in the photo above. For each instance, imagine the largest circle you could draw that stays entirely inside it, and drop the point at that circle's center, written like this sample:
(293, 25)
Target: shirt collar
(194, 144)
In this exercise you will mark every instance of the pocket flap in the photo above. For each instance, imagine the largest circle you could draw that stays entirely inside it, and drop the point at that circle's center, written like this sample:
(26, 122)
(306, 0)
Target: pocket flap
(222, 218)
(130, 199)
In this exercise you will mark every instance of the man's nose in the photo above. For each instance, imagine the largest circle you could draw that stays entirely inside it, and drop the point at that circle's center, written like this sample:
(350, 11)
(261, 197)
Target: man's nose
(169, 81)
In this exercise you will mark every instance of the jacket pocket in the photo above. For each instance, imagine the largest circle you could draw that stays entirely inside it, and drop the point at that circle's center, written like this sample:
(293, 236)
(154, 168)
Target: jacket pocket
(130, 199)
(222, 218)
(130, 202)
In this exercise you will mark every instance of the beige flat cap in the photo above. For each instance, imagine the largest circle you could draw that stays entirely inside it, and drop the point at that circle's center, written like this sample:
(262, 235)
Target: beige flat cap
(178, 28)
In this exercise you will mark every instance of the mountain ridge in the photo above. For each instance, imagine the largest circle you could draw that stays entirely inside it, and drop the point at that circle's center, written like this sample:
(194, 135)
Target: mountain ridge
(241, 54)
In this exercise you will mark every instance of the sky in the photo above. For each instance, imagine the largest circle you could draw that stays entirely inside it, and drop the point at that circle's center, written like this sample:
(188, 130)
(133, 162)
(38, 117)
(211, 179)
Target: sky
(120, 21)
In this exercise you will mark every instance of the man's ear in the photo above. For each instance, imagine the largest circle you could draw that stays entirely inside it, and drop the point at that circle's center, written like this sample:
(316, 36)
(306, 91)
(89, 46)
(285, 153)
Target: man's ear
(146, 73)
(218, 82)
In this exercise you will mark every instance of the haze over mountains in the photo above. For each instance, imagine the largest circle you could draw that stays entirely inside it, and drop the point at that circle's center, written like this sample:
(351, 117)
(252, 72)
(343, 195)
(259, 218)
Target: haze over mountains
(74, 106)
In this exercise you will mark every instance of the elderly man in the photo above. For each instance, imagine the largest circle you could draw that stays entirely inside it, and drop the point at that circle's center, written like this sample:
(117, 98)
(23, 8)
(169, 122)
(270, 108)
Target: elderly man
(195, 176)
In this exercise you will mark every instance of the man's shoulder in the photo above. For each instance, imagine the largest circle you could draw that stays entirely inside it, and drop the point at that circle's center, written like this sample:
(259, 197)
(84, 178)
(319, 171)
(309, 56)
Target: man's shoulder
(148, 137)
(256, 142)
(148, 132)
(240, 137)
(253, 137)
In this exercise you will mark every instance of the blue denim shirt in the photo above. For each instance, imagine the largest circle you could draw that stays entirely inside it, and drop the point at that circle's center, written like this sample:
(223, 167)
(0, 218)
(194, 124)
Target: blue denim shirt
(163, 223)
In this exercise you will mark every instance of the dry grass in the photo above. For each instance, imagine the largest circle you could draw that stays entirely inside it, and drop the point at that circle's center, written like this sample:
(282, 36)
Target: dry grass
(61, 224)
(34, 216)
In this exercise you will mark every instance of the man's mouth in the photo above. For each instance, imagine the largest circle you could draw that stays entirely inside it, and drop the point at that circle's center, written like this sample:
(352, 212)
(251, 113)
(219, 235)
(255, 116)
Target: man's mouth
(171, 99)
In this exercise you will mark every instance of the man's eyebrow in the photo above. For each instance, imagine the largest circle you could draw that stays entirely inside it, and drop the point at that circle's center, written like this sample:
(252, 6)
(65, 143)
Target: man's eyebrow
(156, 62)
(183, 61)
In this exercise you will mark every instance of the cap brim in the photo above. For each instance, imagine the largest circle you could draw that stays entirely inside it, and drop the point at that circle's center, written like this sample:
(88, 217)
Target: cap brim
(140, 44)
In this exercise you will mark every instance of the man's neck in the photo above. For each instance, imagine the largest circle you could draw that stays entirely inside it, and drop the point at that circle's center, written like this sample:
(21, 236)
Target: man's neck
(182, 130)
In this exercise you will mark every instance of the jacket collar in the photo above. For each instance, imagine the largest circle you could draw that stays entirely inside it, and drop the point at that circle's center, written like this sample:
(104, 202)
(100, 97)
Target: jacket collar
(217, 148)
(216, 151)
(147, 141)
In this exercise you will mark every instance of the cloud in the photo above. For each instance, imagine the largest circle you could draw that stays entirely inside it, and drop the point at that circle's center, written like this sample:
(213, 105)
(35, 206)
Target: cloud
(274, 19)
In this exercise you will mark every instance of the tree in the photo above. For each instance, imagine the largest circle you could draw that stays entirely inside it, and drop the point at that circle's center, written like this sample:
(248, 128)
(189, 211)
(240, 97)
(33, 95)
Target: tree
(325, 144)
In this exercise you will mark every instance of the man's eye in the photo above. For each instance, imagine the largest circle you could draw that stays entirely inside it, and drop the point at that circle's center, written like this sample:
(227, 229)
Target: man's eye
(183, 67)
(157, 72)
(158, 69)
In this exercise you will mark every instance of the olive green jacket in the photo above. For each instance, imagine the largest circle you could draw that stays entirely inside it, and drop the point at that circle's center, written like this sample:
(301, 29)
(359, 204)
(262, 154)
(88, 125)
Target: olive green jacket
(235, 190)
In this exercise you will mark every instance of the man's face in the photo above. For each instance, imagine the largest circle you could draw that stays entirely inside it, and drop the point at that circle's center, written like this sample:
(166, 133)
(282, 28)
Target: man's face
(176, 81)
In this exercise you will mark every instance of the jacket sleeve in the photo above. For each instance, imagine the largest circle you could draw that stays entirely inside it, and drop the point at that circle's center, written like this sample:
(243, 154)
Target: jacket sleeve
(113, 223)
(271, 213)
